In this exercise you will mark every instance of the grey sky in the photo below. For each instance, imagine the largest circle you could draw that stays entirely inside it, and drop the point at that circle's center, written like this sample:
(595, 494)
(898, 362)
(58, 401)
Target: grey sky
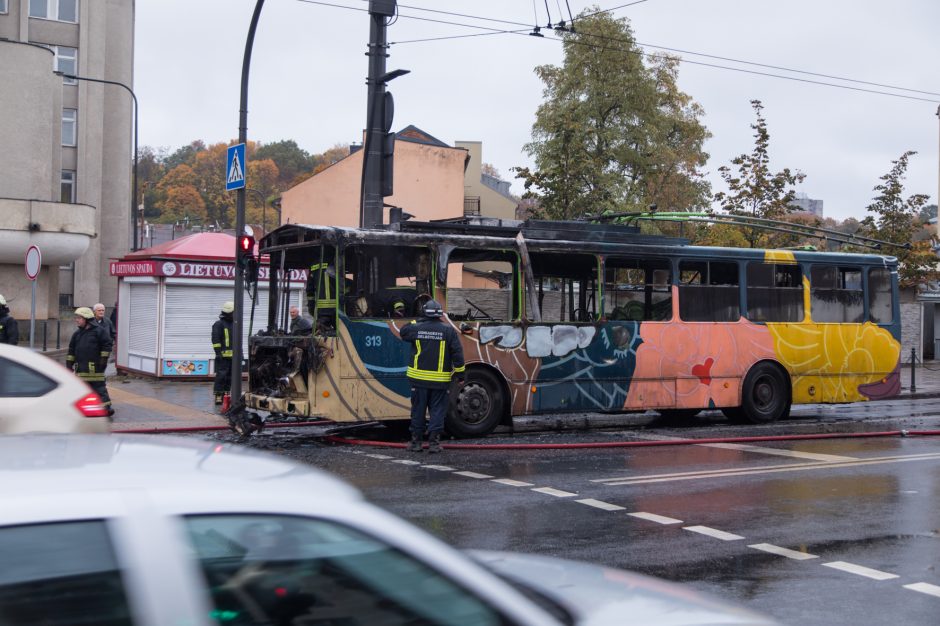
(308, 78)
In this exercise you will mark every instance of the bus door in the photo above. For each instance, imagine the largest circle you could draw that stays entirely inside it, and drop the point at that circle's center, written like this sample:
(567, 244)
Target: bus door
(382, 287)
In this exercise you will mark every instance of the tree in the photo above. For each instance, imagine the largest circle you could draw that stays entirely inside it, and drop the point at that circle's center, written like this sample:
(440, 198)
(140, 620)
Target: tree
(613, 134)
(183, 202)
(753, 190)
(290, 159)
(897, 219)
(490, 170)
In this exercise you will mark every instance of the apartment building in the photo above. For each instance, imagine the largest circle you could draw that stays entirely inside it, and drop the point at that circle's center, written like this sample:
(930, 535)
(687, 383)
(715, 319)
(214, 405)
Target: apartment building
(66, 166)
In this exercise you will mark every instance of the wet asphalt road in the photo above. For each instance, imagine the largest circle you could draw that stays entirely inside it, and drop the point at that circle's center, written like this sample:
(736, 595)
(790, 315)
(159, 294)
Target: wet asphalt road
(828, 532)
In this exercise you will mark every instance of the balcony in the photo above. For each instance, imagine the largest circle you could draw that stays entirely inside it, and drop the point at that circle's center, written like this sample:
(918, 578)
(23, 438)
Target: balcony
(471, 206)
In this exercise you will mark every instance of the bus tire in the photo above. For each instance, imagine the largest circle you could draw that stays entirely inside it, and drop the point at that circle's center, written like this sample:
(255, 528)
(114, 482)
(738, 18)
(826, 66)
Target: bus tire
(765, 396)
(676, 417)
(476, 407)
(735, 414)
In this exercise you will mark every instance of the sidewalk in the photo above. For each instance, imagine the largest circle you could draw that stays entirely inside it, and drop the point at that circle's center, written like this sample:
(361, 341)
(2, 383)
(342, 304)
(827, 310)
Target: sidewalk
(150, 403)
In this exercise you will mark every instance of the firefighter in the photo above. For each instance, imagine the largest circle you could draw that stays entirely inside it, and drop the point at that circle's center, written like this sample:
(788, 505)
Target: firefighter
(436, 355)
(9, 331)
(89, 350)
(222, 344)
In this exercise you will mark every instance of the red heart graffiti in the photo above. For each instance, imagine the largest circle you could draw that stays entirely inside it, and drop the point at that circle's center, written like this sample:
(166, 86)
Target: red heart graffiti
(704, 371)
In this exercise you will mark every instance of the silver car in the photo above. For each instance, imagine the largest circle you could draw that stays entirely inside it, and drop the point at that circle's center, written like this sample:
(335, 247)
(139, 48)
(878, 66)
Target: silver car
(109, 529)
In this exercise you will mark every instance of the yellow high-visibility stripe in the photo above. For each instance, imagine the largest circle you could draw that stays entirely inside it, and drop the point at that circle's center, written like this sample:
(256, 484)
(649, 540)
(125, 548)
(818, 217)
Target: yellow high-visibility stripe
(440, 357)
(417, 353)
(436, 377)
(460, 369)
(217, 345)
(228, 341)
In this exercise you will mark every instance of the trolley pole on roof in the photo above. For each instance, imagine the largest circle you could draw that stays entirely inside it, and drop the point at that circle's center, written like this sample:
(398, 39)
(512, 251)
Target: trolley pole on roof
(236, 392)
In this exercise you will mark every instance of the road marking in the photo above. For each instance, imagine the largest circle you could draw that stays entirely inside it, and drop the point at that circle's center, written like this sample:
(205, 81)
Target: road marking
(790, 554)
(379, 456)
(858, 570)
(652, 517)
(599, 504)
(511, 482)
(930, 590)
(764, 469)
(440, 468)
(472, 475)
(713, 532)
(406, 462)
(554, 492)
(812, 456)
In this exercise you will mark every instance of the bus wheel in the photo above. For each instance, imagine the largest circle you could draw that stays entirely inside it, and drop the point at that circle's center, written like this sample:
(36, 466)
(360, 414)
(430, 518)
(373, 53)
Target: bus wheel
(476, 408)
(675, 417)
(766, 394)
(735, 414)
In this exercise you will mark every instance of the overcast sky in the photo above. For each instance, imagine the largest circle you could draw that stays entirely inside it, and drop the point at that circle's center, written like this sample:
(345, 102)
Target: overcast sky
(308, 78)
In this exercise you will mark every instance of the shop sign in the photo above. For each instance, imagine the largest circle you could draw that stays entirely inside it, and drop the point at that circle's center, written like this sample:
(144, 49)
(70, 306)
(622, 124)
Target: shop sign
(187, 269)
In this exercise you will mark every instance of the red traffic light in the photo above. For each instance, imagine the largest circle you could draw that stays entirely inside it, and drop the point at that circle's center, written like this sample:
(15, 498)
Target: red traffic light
(246, 243)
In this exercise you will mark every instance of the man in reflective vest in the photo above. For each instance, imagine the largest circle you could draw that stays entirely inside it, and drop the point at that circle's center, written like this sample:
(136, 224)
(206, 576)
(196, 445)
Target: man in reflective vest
(436, 355)
(89, 350)
(222, 344)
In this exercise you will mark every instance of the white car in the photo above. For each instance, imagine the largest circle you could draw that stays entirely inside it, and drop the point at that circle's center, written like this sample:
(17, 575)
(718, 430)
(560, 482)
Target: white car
(148, 530)
(38, 394)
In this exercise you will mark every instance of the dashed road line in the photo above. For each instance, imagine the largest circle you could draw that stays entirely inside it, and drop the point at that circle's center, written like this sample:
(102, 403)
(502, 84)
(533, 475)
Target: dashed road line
(858, 570)
(440, 468)
(406, 462)
(652, 517)
(790, 554)
(558, 493)
(713, 532)
(472, 475)
(930, 590)
(599, 504)
(383, 457)
(511, 482)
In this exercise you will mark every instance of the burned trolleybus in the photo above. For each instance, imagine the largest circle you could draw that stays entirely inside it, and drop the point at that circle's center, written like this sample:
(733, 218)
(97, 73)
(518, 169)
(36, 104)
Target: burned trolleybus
(564, 317)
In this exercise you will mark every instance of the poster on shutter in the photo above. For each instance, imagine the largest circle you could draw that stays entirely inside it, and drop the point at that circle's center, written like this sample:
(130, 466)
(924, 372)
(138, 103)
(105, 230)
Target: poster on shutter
(185, 367)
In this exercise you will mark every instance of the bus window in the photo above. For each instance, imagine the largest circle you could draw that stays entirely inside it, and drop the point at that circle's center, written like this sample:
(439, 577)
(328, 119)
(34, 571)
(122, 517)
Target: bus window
(637, 289)
(880, 306)
(836, 294)
(774, 292)
(709, 291)
(386, 281)
(482, 285)
(566, 286)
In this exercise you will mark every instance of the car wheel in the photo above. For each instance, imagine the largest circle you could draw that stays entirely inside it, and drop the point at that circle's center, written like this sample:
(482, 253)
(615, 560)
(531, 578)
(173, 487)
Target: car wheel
(477, 406)
(766, 394)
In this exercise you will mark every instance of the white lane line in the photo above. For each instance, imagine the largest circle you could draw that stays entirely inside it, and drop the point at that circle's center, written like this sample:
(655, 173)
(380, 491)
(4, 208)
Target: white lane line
(858, 570)
(713, 532)
(930, 590)
(511, 482)
(554, 492)
(406, 462)
(472, 475)
(652, 517)
(379, 456)
(599, 504)
(810, 456)
(790, 554)
(440, 468)
(767, 469)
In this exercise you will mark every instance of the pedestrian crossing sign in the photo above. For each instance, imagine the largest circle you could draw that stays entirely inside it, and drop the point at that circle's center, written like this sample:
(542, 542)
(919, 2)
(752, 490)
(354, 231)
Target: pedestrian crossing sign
(235, 167)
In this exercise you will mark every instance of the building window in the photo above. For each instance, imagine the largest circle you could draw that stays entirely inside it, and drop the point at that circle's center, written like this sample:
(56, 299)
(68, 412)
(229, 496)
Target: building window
(69, 126)
(68, 186)
(66, 61)
(3, 6)
(59, 10)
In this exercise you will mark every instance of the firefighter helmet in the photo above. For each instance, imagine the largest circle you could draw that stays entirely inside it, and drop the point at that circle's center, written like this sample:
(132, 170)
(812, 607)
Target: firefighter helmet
(228, 307)
(433, 309)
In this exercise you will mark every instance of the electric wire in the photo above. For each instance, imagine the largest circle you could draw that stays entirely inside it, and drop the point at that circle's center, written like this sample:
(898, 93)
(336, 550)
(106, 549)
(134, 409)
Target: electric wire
(496, 31)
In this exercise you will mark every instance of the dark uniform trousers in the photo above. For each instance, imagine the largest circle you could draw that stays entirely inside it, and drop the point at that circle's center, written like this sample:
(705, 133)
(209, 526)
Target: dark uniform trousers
(222, 344)
(89, 350)
(436, 355)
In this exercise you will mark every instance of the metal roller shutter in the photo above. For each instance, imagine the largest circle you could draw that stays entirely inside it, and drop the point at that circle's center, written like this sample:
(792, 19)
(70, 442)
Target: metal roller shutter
(142, 320)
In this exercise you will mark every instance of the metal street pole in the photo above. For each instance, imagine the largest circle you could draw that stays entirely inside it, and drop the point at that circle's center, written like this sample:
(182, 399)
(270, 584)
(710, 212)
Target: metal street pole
(236, 392)
(135, 239)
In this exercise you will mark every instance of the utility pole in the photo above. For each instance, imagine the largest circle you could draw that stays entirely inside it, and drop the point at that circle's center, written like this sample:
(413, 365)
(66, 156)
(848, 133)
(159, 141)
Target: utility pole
(379, 144)
(236, 392)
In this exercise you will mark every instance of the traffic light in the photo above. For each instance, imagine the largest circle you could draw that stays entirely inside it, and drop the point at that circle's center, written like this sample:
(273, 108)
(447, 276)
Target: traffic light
(246, 249)
(388, 145)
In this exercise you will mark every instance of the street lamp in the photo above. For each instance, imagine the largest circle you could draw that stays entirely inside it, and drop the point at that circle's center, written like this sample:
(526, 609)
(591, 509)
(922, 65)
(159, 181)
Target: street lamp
(135, 242)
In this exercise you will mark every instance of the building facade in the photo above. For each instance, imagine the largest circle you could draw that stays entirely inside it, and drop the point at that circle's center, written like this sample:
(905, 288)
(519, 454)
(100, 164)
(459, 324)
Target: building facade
(66, 170)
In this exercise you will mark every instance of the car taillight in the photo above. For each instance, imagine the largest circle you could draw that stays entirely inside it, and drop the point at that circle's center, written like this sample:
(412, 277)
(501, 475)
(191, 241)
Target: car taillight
(91, 406)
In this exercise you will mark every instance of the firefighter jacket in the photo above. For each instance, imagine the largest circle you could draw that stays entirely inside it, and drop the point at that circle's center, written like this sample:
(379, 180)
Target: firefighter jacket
(436, 353)
(89, 350)
(9, 330)
(222, 337)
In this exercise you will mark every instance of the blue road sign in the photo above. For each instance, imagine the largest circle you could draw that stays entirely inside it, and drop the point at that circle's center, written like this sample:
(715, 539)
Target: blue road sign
(235, 167)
